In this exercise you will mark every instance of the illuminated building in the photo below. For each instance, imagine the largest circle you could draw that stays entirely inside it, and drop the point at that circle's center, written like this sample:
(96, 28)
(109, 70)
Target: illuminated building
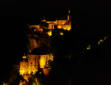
(23, 67)
(34, 62)
(64, 24)
(40, 39)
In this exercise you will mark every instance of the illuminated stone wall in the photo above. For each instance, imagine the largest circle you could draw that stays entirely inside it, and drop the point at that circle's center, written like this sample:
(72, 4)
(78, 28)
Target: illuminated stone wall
(34, 62)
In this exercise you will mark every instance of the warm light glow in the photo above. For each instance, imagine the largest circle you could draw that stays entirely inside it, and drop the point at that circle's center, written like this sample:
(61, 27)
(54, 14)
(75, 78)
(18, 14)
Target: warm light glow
(24, 57)
(26, 77)
(46, 71)
(44, 20)
(50, 33)
(100, 41)
(22, 82)
(88, 47)
(23, 67)
(61, 33)
(68, 17)
(59, 26)
(4, 83)
(64, 24)
(61, 22)
(51, 26)
(42, 61)
(34, 26)
(69, 28)
(31, 66)
(22, 72)
(33, 61)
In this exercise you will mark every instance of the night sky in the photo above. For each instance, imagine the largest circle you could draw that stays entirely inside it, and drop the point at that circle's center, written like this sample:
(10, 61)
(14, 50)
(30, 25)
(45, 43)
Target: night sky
(90, 22)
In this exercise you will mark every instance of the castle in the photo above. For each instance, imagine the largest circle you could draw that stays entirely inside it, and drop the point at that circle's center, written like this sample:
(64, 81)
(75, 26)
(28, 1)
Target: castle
(39, 38)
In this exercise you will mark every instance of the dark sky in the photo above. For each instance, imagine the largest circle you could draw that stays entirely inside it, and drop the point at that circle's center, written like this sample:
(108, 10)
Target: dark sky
(90, 19)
